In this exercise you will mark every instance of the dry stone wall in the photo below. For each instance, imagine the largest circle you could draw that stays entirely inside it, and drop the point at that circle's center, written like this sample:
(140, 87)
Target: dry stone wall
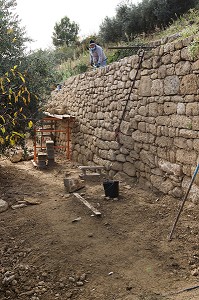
(159, 137)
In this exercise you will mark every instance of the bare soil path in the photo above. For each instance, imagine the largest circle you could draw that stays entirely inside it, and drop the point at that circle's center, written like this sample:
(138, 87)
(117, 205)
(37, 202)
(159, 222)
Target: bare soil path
(57, 249)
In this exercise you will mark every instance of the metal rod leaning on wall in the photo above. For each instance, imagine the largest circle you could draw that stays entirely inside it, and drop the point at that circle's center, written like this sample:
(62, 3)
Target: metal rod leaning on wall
(117, 130)
(185, 198)
(132, 47)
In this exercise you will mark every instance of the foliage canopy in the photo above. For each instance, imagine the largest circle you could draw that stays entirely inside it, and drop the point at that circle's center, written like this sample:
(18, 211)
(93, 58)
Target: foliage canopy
(146, 17)
(16, 115)
(65, 32)
(12, 36)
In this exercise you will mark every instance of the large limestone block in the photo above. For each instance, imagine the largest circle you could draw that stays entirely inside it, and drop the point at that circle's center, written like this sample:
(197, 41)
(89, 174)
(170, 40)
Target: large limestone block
(165, 186)
(142, 137)
(188, 133)
(189, 84)
(166, 59)
(147, 157)
(125, 128)
(157, 87)
(121, 157)
(104, 145)
(195, 65)
(103, 154)
(170, 108)
(163, 141)
(193, 195)
(181, 108)
(185, 54)
(196, 144)
(171, 85)
(117, 166)
(162, 71)
(145, 86)
(183, 68)
(16, 157)
(192, 109)
(127, 141)
(176, 57)
(147, 64)
(195, 123)
(170, 168)
(180, 142)
(163, 120)
(143, 110)
(129, 169)
(186, 157)
(180, 121)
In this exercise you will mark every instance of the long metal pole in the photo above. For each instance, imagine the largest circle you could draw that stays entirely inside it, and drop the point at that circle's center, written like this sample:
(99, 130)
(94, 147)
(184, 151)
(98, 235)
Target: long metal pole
(184, 200)
(117, 130)
(132, 47)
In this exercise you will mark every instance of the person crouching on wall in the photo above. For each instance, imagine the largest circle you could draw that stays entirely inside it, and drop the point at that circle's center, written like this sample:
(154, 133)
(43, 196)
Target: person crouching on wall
(97, 55)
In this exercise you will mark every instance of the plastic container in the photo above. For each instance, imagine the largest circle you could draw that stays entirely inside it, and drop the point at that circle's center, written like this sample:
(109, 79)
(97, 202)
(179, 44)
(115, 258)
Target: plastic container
(111, 188)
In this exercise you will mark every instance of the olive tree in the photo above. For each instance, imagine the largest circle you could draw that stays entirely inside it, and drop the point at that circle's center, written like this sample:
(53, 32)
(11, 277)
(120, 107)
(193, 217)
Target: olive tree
(12, 36)
(65, 32)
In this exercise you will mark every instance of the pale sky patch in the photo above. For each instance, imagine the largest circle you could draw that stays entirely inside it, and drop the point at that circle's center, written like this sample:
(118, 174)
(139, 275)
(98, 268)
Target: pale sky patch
(39, 17)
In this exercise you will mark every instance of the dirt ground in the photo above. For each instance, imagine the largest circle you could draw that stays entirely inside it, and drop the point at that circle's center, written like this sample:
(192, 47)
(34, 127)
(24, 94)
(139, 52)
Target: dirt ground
(55, 248)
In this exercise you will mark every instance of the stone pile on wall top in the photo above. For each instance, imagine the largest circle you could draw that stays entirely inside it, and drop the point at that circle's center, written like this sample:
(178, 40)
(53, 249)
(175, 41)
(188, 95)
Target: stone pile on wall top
(158, 140)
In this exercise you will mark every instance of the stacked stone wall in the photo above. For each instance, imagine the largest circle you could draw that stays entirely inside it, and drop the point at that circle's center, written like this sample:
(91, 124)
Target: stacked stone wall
(159, 138)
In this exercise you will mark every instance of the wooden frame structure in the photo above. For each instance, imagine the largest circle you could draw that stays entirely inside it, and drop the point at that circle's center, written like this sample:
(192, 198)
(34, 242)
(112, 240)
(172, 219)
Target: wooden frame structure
(51, 132)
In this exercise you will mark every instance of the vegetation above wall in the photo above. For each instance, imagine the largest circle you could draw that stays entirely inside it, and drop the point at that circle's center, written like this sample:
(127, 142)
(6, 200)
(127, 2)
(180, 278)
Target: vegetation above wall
(184, 26)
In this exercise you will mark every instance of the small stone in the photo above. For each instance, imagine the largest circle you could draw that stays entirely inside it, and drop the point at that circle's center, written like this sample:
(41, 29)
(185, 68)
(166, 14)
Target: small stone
(18, 206)
(61, 285)
(14, 282)
(3, 205)
(7, 280)
(8, 293)
(83, 277)
(34, 298)
(16, 157)
(69, 295)
(76, 220)
(79, 283)
(71, 279)
(128, 187)
(194, 272)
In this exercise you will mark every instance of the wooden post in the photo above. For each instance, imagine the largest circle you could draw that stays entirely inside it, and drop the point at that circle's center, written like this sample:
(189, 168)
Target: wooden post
(35, 142)
(85, 202)
(68, 138)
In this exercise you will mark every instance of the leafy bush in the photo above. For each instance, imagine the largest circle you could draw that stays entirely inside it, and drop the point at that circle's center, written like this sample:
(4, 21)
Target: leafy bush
(16, 113)
(194, 48)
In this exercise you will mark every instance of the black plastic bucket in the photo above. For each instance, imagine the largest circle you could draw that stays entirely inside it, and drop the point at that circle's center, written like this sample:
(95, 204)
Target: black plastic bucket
(111, 188)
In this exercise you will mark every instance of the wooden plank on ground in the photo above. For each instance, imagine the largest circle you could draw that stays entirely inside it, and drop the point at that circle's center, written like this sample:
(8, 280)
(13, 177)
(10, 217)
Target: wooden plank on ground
(85, 202)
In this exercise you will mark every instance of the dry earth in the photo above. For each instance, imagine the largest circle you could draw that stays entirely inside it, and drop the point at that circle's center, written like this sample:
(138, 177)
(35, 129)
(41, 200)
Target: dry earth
(56, 249)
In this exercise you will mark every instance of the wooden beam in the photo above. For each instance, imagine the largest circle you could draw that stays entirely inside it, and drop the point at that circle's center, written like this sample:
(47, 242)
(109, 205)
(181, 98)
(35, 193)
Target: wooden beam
(90, 167)
(60, 117)
(85, 202)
